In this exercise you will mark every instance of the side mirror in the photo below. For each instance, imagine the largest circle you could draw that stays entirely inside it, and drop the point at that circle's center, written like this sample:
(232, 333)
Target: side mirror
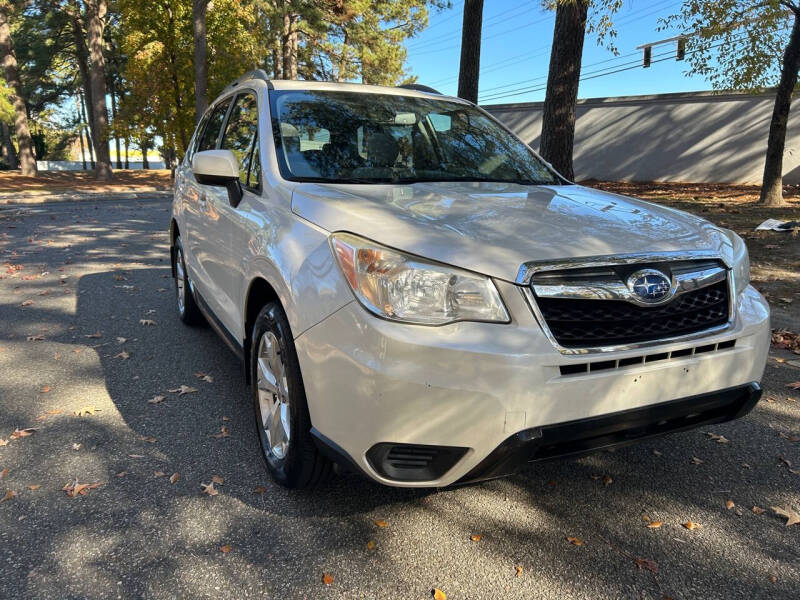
(220, 168)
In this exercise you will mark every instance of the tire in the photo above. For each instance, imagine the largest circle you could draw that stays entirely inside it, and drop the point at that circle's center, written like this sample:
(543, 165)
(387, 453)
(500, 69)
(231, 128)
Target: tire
(188, 310)
(288, 447)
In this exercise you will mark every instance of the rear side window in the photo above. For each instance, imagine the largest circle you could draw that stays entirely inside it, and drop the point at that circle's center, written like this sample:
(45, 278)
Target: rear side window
(241, 134)
(208, 141)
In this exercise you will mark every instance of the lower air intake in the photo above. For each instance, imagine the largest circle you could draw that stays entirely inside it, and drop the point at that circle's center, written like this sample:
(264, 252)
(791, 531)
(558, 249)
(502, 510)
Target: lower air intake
(413, 462)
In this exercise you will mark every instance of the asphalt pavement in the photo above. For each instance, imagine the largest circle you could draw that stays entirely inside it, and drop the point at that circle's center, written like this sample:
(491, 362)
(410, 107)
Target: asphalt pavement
(89, 337)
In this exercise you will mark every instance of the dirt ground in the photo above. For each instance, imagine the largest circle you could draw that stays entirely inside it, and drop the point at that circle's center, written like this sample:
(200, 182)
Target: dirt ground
(774, 256)
(54, 182)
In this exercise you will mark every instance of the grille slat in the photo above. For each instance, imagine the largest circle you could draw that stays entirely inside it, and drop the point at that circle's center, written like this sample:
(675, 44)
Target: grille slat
(585, 323)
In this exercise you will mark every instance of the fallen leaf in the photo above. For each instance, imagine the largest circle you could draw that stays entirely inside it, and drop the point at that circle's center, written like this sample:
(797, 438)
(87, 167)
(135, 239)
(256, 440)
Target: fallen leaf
(9, 495)
(136, 455)
(518, 569)
(21, 433)
(184, 389)
(27, 303)
(792, 517)
(223, 433)
(655, 524)
(575, 541)
(174, 477)
(122, 474)
(260, 490)
(697, 461)
(476, 537)
(439, 594)
(208, 488)
(45, 389)
(720, 439)
(225, 549)
(149, 438)
(87, 411)
(607, 480)
(729, 504)
(794, 385)
(370, 544)
(217, 479)
(691, 525)
(380, 523)
(94, 335)
(157, 399)
(759, 511)
(773, 579)
(657, 453)
(158, 473)
(327, 578)
(76, 446)
(121, 340)
(3, 442)
(34, 487)
(147, 322)
(204, 377)
(646, 564)
(75, 489)
(123, 355)
(3, 473)
(55, 411)
(35, 338)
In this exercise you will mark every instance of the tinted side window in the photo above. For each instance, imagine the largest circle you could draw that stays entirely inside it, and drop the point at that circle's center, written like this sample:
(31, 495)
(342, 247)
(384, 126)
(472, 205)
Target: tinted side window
(195, 141)
(241, 132)
(213, 127)
(254, 179)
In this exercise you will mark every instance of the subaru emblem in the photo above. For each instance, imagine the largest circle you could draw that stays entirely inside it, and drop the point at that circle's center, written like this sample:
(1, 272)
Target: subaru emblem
(648, 286)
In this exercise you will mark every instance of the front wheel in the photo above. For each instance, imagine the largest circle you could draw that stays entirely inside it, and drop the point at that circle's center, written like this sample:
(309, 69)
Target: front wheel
(279, 401)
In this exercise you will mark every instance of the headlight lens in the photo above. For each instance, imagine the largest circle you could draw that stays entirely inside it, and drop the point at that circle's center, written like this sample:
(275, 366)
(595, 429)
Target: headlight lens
(741, 263)
(405, 288)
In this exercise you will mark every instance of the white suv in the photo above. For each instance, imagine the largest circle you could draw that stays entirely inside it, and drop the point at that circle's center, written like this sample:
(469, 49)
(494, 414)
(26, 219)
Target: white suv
(417, 296)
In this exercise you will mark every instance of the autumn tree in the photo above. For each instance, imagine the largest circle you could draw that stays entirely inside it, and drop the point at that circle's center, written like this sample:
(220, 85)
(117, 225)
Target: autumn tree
(748, 45)
(199, 11)
(574, 19)
(470, 65)
(27, 159)
(96, 11)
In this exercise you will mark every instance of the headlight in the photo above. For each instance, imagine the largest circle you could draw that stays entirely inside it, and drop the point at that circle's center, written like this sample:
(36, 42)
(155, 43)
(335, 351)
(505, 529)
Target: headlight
(405, 288)
(741, 263)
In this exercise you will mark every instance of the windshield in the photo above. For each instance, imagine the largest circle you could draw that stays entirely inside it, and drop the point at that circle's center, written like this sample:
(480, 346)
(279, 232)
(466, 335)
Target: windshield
(348, 137)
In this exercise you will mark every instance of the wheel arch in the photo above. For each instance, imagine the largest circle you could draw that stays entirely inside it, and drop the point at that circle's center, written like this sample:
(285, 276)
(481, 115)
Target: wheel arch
(259, 293)
(174, 233)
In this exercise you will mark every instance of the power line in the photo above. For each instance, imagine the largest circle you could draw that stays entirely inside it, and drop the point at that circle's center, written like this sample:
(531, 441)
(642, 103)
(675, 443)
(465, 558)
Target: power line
(599, 73)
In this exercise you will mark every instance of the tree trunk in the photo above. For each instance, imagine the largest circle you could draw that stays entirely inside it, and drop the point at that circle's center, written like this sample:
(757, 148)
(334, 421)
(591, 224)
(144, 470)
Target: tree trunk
(113, 95)
(289, 47)
(27, 160)
(199, 10)
(85, 130)
(145, 162)
(470, 50)
(127, 164)
(9, 152)
(772, 184)
(82, 57)
(80, 132)
(96, 12)
(558, 116)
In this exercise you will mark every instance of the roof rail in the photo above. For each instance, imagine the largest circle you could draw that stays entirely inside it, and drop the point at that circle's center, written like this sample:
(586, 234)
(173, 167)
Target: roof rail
(254, 74)
(420, 88)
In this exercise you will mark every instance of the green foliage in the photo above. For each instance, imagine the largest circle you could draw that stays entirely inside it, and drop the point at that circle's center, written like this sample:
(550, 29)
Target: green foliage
(734, 44)
(6, 108)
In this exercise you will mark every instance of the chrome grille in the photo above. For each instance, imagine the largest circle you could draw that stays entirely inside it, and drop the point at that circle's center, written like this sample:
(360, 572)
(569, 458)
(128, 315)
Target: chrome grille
(590, 307)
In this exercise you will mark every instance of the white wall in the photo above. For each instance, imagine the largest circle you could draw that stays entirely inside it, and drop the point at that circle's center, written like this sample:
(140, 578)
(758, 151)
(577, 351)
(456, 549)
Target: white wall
(76, 165)
(692, 137)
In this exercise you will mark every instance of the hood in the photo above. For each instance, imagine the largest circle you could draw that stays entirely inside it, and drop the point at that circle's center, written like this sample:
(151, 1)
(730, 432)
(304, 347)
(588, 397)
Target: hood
(493, 228)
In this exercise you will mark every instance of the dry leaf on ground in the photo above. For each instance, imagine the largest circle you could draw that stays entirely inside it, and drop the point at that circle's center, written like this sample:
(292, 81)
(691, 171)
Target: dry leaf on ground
(476, 537)
(21, 433)
(792, 517)
(223, 433)
(156, 399)
(33, 487)
(208, 488)
(9, 495)
(758, 510)
(380, 523)
(184, 389)
(370, 544)
(518, 570)
(174, 477)
(87, 411)
(225, 549)
(439, 594)
(655, 524)
(575, 541)
(327, 578)
(123, 355)
(75, 489)
(697, 461)
(691, 525)
(147, 322)
(3, 473)
(204, 377)
(260, 490)
(217, 479)
(729, 504)
(647, 564)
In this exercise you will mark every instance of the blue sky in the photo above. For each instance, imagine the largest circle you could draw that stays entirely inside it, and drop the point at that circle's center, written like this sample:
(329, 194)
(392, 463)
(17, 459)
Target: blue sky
(516, 48)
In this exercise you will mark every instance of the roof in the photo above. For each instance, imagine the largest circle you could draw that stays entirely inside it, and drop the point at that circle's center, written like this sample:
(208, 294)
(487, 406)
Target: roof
(359, 88)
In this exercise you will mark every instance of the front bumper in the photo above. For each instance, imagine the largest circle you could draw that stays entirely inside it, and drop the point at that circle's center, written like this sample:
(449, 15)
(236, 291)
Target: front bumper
(473, 386)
